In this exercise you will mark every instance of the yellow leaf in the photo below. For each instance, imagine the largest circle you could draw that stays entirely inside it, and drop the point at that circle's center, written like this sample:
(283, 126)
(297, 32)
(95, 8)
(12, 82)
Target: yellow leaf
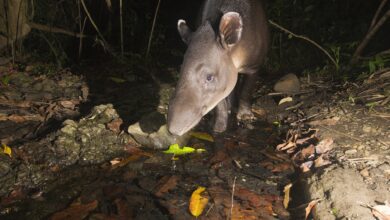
(198, 202)
(7, 150)
(286, 199)
(202, 136)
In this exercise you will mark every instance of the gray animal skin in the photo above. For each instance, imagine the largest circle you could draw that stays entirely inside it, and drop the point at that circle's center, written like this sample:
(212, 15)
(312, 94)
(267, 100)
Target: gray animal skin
(231, 38)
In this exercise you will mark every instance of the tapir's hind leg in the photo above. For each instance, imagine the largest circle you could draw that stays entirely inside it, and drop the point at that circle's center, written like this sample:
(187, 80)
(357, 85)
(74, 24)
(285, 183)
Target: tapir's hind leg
(245, 98)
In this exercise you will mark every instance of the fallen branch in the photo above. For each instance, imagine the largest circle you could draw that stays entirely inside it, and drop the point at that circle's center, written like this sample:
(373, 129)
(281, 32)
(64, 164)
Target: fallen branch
(50, 29)
(307, 39)
(371, 32)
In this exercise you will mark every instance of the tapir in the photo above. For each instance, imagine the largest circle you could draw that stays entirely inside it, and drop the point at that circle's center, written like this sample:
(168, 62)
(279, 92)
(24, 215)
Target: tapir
(231, 37)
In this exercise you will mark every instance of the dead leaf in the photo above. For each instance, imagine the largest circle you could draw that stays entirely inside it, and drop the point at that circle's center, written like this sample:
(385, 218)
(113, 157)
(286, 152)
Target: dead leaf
(281, 167)
(320, 161)
(198, 201)
(67, 104)
(115, 125)
(202, 136)
(304, 154)
(382, 212)
(310, 206)
(75, 211)
(286, 198)
(284, 100)
(286, 146)
(16, 118)
(305, 167)
(165, 184)
(240, 213)
(324, 146)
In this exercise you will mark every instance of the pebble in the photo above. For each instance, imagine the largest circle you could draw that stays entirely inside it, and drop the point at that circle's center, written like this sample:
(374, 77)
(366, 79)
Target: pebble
(367, 129)
(350, 152)
(365, 172)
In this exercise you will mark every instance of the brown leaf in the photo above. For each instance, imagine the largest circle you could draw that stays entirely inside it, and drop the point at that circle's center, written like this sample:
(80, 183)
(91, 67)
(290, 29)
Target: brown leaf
(324, 146)
(305, 167)
(124, 210)
(320, 161)
(286, 146)
(165, 184)
(281, 167)
(68, 104)
(75, 211)
(115, 125)
(310, 206)
(304, 154)
(254, 199)
(15, 195)
(239, 213)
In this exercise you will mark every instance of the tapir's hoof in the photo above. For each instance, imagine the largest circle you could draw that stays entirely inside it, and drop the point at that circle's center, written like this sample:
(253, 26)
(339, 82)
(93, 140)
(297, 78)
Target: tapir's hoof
(245, 114)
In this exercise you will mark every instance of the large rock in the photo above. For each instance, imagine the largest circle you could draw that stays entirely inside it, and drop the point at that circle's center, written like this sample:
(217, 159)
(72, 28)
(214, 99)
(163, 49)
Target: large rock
(288, 84)
(152, 132)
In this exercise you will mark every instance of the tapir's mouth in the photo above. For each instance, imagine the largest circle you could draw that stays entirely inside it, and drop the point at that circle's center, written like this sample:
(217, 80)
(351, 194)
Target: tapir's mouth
(179, 130)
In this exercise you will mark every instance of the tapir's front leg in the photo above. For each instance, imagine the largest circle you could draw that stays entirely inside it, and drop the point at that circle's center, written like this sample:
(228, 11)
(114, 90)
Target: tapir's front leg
(245, 97)
(222, 111)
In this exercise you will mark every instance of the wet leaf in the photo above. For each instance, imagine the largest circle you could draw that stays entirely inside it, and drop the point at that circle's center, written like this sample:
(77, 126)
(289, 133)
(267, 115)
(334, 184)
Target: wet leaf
(7, 150)
(177, 150)
(310, 206)
(117, 79)
(198, 202)
(75, 211)
(382, 212)
(284, 100)
(286, 198)
(165, 184)
(202, 136)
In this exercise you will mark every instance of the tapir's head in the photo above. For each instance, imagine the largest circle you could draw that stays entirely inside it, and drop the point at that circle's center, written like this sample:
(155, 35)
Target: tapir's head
(207, 75)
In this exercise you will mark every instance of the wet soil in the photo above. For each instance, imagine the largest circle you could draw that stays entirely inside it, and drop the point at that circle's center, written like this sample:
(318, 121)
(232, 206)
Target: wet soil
(331, 143)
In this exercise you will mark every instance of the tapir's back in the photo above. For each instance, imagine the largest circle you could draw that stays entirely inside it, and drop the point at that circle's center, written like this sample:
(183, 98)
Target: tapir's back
(249, 53)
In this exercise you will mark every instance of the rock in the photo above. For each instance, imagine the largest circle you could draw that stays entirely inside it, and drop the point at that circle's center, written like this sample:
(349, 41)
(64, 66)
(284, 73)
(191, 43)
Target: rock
(152, 132)
(288, 84)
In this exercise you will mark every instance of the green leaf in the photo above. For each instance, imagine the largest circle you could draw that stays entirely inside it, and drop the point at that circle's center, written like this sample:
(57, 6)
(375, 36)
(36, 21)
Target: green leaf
(202, 136)
(117, 79)
(176, 150)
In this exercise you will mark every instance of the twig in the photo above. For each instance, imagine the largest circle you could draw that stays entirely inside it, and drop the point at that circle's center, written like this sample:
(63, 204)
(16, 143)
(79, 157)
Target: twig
(232, 199)
(93, 23)
(121, 24)
(153, 25)
(371, 32)
(375, 18)
(45, 28)
(307, 39)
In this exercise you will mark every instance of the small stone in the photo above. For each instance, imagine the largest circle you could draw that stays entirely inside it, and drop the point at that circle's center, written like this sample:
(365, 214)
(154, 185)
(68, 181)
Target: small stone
(367, 129)
(365, 172)
(288, 84)
(350, 152)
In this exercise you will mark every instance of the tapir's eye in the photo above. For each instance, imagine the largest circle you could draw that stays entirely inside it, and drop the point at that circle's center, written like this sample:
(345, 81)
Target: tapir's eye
(209, 77)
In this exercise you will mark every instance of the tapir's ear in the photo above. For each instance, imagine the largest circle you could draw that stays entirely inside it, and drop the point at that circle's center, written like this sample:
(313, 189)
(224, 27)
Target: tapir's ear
(184, 31)
(230, 29)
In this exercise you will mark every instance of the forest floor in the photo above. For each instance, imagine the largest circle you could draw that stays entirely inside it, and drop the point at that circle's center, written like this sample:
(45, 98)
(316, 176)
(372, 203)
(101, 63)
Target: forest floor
(66, 152)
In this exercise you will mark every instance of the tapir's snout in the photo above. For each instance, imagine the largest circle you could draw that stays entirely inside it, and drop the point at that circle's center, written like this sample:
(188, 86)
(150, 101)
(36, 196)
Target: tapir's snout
(182, 116)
